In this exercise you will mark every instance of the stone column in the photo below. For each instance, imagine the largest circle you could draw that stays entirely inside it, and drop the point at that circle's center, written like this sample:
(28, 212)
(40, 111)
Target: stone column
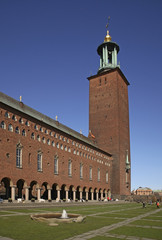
(101, 195)
(74, 195)
(13, 192)
(92, 196)
(66, 195)
(80, 195)
(26, 193)
(49, 193)
(86, 195)
(58, 194)
(38, 193)
(97, 196)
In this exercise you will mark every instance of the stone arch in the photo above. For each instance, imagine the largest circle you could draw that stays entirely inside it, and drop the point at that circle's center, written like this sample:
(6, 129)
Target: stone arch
(104, 193)
(95, 194)
(5, 189)
(55, 188)
(100, 194)
(20, 193)
(84, 193)
(33, 189)
(63, 192)
(78, 190)
(44, 190)
(90, 194)
(70, 193)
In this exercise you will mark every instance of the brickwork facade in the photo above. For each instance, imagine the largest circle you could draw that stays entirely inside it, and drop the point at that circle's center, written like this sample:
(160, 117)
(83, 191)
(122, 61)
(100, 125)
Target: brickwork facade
(70, 165)
(109, 122)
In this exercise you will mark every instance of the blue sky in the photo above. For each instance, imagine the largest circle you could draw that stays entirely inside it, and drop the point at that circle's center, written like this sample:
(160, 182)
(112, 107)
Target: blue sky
(48, 49)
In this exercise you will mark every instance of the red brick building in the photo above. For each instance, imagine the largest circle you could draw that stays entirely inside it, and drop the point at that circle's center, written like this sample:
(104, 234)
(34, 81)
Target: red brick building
(41, 158)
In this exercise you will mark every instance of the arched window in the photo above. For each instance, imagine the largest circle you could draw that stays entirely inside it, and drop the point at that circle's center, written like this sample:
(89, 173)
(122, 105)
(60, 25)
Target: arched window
(17, 130)
(7, 115)
(46, 131)
(14, 118)
(39, 161)
(41, 129)
(32, 136)
(19, 156)
(23, 132)
(10, 128)
(61, 146)
(69, 149)
(27, 123)
(48, 142)
(57, 145)
(21, 120)
(53, 144)
(69, 168)
(38, 138)
(65, 148)
(43, 140)
(3, 125)
(36, 127)
(56, 164)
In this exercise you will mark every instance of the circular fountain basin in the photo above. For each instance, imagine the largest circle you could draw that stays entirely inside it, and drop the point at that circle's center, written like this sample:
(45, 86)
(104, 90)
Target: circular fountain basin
(53, 219)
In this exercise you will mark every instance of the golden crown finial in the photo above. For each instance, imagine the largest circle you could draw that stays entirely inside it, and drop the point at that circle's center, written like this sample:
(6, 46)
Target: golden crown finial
(108, 37)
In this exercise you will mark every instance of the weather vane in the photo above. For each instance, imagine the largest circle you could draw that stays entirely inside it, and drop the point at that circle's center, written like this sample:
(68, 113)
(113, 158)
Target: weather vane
(108, 22)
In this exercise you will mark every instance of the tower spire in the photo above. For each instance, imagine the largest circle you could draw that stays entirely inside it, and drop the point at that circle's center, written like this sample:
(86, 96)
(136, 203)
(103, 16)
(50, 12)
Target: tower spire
(108, 51)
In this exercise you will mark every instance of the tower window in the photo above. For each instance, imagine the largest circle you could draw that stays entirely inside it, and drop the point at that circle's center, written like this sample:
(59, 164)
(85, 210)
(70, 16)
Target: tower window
(81, 170)
(39, 161)
(19, 156)
(98, 174)
(69, 168)
(90, 173)
(56, 165)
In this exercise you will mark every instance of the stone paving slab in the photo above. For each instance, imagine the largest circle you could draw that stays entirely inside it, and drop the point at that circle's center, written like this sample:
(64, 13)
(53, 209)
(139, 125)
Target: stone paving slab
(5, 238)
(103, 230)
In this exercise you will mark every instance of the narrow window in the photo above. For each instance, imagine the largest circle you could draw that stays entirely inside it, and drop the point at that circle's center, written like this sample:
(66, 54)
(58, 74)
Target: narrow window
(19, 156)
(53, 144)
(36, 127)
(98, 174)
(48, 142)
(61, 146)
(107, 177)
(56, 165)
(43, 140)
(39, 161)
(57, 145)
(90, 173)
(81, 170)
(69, 168)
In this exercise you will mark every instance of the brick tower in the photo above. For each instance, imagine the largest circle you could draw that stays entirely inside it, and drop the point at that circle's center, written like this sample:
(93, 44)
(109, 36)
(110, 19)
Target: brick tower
(109, 114)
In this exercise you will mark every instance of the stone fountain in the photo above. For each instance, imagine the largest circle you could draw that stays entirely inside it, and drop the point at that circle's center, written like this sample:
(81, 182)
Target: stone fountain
(53, 219)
